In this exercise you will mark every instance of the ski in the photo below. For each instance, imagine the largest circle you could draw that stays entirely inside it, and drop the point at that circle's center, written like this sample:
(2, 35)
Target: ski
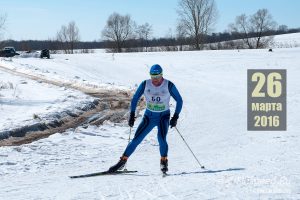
(102, 173)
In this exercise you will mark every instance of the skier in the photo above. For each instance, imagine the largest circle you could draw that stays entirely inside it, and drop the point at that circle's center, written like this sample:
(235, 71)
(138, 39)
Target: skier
(157, 92)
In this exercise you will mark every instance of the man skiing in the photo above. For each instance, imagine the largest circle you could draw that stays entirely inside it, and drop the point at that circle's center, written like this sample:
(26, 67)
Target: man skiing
(157, 92)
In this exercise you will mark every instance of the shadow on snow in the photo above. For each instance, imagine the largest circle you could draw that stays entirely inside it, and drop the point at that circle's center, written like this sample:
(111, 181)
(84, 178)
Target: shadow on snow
(208, 171)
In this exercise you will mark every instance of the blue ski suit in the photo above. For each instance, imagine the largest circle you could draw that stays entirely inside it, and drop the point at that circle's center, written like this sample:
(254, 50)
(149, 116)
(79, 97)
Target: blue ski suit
(157, 113)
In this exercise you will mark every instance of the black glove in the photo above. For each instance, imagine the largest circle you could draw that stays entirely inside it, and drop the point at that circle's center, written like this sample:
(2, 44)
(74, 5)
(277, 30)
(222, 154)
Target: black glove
(131, 119)
(173, 120)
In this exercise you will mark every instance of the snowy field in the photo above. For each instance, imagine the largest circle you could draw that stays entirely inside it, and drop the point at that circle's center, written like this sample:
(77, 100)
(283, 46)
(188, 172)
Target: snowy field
(239, 164)
(287, 40)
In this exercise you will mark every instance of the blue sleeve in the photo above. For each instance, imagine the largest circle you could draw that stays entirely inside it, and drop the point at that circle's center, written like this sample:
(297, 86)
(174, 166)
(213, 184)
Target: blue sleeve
(176, 95)
(136, 97)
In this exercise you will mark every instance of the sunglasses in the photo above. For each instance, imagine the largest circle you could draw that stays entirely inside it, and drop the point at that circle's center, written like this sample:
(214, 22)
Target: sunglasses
(156, 76)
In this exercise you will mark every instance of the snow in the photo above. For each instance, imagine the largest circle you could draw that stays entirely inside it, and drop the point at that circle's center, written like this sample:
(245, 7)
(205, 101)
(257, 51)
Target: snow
(23, 100)
(240, 164)
(287, 40)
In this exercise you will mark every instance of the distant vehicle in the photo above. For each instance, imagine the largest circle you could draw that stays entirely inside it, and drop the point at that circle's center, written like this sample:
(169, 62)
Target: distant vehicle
(9, 48)
(8, 52)
(45, 53)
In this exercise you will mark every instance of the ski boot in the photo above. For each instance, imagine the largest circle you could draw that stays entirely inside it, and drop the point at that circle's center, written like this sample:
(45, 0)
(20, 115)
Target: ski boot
(119, 166)
(164, 164)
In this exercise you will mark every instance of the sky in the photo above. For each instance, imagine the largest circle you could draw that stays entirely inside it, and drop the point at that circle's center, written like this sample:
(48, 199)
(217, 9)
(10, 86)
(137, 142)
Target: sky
(41, 20)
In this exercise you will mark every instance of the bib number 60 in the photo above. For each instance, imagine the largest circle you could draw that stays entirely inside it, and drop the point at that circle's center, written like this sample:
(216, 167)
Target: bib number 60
(155, 99)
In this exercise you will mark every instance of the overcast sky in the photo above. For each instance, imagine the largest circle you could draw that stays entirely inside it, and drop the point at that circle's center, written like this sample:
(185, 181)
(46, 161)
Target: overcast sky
(42, 19)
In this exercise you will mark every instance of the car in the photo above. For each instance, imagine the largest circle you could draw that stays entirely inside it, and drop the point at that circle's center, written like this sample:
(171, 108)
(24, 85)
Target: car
(45, 53)
(9, 48)
(8, 52)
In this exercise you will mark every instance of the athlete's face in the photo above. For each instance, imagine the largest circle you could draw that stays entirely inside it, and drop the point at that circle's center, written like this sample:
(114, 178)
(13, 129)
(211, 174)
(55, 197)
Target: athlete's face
(156, 79)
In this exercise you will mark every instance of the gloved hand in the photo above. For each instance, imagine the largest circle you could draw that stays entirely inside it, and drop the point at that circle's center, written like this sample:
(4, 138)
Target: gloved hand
(131, 119)
(173, 120)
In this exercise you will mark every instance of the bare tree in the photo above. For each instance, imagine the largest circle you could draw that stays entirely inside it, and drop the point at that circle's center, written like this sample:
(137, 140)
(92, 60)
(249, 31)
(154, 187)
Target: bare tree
(197, 18)
(118, 29)
(255, 28)
(2, 21)
(283, 28)
(262, 22)
(181, 33)
(242, 25)
(144, 33)
(2, 24)
(68, 36)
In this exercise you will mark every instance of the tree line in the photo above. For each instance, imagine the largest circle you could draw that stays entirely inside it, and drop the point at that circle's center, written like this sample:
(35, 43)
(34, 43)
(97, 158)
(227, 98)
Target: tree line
(154, 44)
(193, 32)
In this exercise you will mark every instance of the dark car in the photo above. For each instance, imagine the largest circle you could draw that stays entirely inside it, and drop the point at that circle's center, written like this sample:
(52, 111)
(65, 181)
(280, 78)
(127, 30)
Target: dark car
(45, 53)
(8, 52)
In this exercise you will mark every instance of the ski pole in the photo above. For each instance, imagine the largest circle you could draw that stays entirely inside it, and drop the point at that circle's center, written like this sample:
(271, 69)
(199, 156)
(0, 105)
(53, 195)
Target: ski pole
(129, 135)
(202, 167)
(128, 143)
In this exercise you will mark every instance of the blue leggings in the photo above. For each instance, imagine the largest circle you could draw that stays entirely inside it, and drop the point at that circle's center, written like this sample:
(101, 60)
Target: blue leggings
(150, 120)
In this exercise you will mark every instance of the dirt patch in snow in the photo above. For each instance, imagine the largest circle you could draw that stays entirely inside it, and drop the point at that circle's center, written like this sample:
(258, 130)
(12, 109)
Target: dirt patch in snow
(109, 104)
